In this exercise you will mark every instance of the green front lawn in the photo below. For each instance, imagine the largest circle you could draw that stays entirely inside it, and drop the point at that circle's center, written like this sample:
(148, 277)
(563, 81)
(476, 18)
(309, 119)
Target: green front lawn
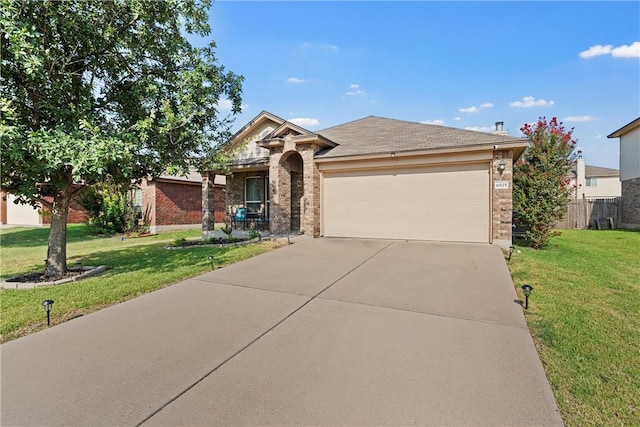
(137, 265)
(584, 315)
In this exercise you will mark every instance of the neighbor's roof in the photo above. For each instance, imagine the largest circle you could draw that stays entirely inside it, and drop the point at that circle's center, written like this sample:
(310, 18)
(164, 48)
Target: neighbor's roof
(625, 129)
(378, 135)
(590, 171)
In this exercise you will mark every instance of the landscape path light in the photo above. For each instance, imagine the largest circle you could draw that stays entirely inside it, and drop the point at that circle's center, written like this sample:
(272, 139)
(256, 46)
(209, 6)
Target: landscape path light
(527, 291)
(47, 307)
(210, 257)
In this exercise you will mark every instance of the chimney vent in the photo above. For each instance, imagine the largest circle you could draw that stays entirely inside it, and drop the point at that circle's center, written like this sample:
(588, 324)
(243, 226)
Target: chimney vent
(500, 129)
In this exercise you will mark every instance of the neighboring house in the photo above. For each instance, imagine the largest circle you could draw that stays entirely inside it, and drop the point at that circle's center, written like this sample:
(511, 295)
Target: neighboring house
(167, 203)
(16, 214)
(175, 202)
(594, 182)
(629, 136)
(372, 178)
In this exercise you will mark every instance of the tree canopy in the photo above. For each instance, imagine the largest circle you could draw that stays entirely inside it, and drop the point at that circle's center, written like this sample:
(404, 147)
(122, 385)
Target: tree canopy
(105, 91)
(541, 187)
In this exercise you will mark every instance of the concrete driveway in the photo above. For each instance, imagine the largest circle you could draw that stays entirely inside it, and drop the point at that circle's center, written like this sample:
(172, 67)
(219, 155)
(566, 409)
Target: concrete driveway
(321, 332)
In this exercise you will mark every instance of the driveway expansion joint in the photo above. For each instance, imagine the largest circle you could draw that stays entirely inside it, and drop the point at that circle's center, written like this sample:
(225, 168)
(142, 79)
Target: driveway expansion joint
(427, 313)
(221, 364)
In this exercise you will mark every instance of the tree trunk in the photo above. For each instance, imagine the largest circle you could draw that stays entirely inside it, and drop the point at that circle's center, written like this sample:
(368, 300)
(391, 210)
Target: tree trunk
(57, 251)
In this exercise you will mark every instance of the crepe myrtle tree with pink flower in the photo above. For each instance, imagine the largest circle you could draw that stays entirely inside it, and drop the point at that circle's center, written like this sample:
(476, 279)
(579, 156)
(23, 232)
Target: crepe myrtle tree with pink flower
(106, 92)
(541, 184)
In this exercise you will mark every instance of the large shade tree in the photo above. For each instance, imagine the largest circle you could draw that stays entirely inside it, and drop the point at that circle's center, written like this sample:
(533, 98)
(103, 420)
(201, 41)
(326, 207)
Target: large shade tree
(541, 184)
(105, 91)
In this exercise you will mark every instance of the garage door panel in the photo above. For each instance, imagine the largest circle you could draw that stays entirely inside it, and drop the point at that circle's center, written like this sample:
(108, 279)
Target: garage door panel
(449, 203)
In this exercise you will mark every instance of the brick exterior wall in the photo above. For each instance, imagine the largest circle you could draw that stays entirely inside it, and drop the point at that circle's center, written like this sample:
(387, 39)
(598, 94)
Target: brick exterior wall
(178, 203)
(77, 214)
(631, 203)
(501, 199)
(148, 202)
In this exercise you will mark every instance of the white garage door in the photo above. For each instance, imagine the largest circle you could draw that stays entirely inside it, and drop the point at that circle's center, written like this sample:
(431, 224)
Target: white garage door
(447, 203)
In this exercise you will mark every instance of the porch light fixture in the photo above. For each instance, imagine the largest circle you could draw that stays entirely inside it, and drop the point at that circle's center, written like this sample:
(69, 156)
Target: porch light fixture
(501, 166)
(527, 291)
(210, 258)
(47, 307)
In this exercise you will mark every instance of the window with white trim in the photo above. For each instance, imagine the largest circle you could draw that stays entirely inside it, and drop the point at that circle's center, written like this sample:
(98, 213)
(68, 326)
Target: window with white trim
(592, 182)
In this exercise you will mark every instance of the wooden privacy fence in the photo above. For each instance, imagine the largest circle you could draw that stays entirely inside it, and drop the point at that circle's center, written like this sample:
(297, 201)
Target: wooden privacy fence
(592, 213)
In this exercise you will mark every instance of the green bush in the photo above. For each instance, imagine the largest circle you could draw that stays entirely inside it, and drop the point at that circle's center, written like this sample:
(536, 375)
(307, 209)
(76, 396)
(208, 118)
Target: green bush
(110, 211)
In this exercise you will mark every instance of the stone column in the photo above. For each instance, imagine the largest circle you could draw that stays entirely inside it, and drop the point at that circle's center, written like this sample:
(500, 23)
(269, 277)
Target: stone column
(502, 203)
(278, 220)
(208, 216)
(310, 223)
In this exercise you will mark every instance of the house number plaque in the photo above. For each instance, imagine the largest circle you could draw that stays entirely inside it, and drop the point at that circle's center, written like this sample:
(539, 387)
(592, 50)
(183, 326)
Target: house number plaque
(501, 185)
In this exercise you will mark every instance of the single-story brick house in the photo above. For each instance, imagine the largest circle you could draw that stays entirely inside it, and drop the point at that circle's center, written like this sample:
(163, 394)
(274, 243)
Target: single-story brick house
(167, 203)
(372, 178)
(629, 135)
(174, 202)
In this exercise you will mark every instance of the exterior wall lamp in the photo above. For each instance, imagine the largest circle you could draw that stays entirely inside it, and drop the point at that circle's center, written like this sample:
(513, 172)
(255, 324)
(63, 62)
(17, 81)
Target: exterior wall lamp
(47, 307)
(501, 166)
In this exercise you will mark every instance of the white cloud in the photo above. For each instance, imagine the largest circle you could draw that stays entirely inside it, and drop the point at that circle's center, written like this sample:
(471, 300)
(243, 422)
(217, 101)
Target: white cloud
(296, 80)
(481, 128)
(433, 122)
(226, 104)
(305, 121)
(530, 101)
(356, 90)
(579, 119)
(457, 119)
(624, 51)
(473, 109)
(596, 50)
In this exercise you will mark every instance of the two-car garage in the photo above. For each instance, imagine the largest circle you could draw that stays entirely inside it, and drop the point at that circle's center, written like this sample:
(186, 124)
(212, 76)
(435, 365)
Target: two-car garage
(446, 202)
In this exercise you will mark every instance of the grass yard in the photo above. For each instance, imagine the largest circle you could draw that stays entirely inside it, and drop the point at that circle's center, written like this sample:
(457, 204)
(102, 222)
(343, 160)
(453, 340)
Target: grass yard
(136, 266)
(584, 315)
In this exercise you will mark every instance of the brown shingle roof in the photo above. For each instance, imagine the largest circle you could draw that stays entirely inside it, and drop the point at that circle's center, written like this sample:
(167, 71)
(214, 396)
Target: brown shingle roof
(377, 135)
(598, 171)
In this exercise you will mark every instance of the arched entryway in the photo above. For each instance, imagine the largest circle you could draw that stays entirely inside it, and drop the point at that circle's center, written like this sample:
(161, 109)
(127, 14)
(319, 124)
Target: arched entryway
(292, 168)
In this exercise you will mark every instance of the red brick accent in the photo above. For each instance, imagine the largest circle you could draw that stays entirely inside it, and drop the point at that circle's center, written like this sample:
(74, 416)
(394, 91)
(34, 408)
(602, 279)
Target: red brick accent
(77, 214)
(178, 203)
(3, 208)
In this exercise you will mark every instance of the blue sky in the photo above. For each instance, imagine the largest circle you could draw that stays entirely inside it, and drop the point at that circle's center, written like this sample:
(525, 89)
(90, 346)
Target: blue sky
(459, 64)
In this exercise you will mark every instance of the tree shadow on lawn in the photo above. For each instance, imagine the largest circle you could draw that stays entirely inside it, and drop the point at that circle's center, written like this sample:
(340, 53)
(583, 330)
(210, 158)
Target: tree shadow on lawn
(31, 237)
(154, 257)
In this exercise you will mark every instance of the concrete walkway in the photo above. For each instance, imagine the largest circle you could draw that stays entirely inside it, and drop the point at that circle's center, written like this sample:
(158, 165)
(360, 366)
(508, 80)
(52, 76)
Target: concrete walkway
(321, 332)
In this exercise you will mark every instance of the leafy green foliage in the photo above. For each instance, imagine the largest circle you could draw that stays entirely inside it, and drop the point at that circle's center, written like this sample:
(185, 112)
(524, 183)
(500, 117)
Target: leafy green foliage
(540, 179)
(106, 92)
(110, 210)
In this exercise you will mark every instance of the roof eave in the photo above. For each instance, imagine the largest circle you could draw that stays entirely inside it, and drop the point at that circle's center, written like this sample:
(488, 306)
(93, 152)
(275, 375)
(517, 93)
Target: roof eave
(625, 129)
(518, 148)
